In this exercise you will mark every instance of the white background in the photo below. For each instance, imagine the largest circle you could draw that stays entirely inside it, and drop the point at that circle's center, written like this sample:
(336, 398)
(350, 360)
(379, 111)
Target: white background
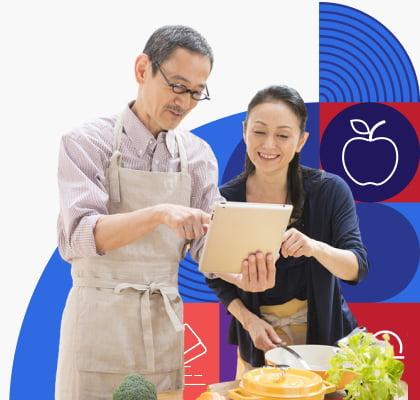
(62, 63)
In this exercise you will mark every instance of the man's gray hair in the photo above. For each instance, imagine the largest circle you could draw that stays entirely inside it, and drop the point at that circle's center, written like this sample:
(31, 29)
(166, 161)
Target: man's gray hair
(165, 40)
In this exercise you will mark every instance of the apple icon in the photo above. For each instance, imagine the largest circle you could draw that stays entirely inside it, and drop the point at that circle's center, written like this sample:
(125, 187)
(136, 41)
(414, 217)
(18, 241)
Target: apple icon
(373, 146)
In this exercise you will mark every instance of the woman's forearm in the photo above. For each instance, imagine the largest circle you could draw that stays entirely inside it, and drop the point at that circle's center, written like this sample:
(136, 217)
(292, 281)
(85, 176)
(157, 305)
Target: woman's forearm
(341, 263)
(241, 313)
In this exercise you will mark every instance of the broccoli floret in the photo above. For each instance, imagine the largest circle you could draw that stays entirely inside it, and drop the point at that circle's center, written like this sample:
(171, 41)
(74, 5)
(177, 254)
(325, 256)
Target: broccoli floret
(135, 387)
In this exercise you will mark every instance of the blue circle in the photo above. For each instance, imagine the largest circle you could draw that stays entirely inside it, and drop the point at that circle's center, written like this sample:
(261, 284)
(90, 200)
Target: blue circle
(393, 253)
(374, 148)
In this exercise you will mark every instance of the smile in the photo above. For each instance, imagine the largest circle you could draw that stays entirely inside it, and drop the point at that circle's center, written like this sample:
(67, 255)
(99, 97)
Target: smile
(268, 156)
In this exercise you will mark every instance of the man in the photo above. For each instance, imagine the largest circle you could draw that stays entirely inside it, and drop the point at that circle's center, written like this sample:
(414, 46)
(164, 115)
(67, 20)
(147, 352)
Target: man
(134, 190)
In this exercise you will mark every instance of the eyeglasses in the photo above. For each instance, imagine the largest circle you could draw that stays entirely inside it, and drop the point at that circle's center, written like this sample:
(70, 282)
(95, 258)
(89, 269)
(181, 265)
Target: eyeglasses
(178, 88)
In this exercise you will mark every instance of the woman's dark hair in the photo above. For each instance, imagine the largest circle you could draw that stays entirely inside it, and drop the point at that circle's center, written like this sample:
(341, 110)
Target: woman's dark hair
(165, 40)
(292, 99)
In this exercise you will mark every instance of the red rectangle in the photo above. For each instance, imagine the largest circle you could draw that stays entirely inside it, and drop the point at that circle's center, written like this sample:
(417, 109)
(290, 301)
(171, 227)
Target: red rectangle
(400, 321)
(201, 348)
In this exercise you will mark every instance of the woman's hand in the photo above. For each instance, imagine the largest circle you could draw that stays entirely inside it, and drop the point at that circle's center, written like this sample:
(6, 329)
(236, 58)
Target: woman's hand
(341, 263)
(297, 244)
(258, 273)
(262, 334)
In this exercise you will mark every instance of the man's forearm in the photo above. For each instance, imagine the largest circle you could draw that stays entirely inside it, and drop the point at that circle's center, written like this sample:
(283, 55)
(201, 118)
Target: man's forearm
(117, 230)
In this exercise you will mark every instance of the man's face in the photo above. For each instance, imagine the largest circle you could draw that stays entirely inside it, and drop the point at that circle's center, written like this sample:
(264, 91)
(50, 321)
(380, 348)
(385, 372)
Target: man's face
(159, 107)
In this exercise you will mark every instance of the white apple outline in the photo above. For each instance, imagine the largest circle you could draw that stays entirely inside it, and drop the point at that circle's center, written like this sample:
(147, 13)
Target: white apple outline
(368, 132)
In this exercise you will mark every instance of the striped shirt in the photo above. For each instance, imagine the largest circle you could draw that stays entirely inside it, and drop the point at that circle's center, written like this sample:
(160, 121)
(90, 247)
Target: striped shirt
(84, 156)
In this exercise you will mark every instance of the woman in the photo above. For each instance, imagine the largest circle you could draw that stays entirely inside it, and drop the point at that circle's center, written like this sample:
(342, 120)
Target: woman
(321, 246)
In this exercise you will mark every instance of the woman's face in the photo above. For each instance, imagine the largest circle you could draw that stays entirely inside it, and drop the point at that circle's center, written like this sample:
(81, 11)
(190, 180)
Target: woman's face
(272, 136)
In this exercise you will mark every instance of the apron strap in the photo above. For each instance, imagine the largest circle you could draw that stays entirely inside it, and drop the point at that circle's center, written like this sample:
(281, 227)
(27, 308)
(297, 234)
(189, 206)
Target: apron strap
(299, 317)
(115, 162)
(114, 177)
(182, 154)
(118, 131)
(168, 293)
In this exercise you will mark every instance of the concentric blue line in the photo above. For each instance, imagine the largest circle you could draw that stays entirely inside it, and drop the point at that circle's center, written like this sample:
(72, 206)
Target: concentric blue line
(340, 67)
(370, 83)
(358, 39)
(337, 85)
(385, 40)
(187, 298)
(374, 70)
(190, 279)
(345, 61)
(190, 270)
(333, 95)
(367, 45)
(194, 289)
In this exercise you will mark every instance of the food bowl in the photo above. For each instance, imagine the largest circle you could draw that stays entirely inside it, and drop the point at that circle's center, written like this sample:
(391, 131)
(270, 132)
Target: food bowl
(271, 383)
(317, 357)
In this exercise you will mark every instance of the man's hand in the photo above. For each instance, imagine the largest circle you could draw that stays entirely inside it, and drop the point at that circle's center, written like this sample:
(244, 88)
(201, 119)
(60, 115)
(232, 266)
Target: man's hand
(262, 334)
(189, 223)
(258, 273)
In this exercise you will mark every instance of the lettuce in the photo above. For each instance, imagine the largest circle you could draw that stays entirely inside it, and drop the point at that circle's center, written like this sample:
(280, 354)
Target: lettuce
(378, 373)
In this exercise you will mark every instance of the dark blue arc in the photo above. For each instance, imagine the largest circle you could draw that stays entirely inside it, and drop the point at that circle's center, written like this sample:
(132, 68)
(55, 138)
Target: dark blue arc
(196, 291)
(357, 59)
(327, 56)
(368, 60)
(368, 32)
(323, 98)
(384, 39)
(343, 96)
(361, 83)
(333, 94)
(195, 299)
(339, 77)
(192, 280)
(340, 67)
(189, 269)
(359, 41)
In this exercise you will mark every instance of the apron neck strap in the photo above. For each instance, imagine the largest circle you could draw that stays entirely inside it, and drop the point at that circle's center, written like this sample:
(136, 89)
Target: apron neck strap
(182, 153)
(115, 162)
(118, 131)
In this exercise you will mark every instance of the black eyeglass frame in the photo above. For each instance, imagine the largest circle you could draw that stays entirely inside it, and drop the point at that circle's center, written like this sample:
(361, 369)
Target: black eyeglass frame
(179, 88)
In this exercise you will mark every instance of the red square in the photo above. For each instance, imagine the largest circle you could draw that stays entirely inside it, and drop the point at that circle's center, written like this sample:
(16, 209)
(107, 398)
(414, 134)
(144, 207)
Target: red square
(411, 193)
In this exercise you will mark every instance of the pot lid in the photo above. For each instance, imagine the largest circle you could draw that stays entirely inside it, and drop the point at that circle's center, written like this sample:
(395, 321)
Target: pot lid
(282, 383)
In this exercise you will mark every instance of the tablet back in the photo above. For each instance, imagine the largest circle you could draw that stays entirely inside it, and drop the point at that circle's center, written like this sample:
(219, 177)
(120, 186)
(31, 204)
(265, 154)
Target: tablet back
(237, 229)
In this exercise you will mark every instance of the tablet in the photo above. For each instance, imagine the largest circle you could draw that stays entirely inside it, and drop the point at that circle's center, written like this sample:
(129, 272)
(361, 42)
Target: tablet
(237, 229)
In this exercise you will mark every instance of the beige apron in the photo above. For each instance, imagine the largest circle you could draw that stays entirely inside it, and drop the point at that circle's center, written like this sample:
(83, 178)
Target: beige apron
(289, 320)
(124, 313)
